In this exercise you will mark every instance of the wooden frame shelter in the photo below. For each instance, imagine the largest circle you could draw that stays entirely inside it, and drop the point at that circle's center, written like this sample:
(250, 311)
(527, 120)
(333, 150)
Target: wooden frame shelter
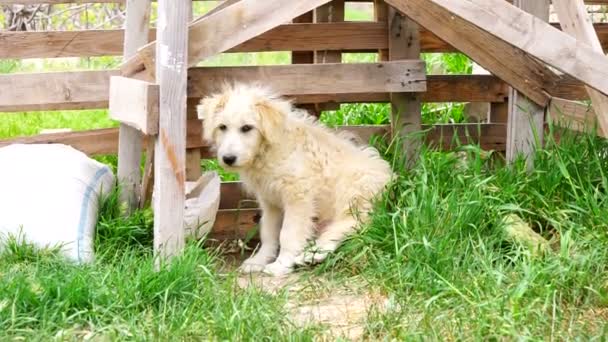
(536, 70)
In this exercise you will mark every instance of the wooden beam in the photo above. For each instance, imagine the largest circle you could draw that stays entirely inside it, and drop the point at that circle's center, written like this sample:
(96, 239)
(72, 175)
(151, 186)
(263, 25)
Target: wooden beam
(105, 141)
(90, 89)
(381, 16)
(575, 22)
(573, 115)
(330, 12)
(406, 117)
(532, 36)
(193, 156)
(135, 103)
(525, 125)
(495, 55)
(170, 149)
(228, 28)
(346, 36)
(398, 76)
(130, 148)
(302, 57)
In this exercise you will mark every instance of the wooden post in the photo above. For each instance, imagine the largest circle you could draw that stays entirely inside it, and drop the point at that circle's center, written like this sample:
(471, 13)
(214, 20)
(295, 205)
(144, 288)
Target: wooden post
(170, 148)
(331, 12)
(575, 21)
(525, 125)
(193, 156)
(129, 138)
(404, 43)
(381, 15)
(305, 57)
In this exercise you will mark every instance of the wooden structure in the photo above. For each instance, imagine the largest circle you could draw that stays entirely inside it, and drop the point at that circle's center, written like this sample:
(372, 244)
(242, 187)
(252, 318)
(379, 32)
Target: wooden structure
(535, 68)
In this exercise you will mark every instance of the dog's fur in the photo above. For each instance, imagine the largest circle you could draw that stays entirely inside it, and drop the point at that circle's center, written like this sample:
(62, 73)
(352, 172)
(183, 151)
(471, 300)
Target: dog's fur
(298, 170)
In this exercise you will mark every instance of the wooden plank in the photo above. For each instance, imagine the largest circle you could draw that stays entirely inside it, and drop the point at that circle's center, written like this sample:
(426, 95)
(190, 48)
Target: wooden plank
(105, 141)
(130, 148)
(330, 12)
(532, 36)
(497, 56)
(170, 149)
(193, 157)
(301, 57)
(575, 22)
(525, 124)
(90, 89)
(346, 36)
(398, 76)
(573, 115)
(381, 16)
(406, 117)
(231, 26)
(234, 224)
(135, 103)
(55, 90)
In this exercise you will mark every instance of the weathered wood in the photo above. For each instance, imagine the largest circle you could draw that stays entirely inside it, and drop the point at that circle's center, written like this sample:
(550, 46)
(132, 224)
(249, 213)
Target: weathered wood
(230, 27)
(193, 157)
(398, 76)
(534, 37)
(495, 55)
(234, 224)
(55, 90)
(297, 56)
(575, 22)
(406, 117)
(135, 103)
(90, 89)
(381, 16)
(525, 125)
(346, 36)
(130, 148)
(573, 115)
(303, 57)
(330, 12)
(170, 149)
(105, 141)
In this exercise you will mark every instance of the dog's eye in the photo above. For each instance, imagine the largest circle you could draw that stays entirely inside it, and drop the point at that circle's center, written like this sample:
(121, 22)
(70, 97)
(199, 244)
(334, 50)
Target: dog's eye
(246, 128)
(222, 127)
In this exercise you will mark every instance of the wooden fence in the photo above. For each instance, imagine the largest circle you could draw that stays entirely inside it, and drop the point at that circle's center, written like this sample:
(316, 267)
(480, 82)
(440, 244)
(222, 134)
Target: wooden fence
(329, 36)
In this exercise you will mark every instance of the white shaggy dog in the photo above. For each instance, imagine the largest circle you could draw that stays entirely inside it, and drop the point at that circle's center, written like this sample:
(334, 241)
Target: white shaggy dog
(298, 170)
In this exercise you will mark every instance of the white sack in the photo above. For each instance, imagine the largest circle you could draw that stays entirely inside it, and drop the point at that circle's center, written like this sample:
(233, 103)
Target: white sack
(49, 195)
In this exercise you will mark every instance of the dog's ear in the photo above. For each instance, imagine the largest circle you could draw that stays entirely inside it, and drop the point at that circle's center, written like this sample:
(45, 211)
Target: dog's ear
(207, 112)
(271, 119)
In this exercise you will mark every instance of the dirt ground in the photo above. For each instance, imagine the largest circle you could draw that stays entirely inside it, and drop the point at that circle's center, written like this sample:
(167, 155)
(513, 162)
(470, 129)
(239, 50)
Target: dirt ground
(341, 307)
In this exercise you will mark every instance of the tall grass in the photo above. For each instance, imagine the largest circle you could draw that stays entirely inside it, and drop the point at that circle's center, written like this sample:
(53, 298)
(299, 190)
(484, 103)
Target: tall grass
(121, 297)
(437, 245)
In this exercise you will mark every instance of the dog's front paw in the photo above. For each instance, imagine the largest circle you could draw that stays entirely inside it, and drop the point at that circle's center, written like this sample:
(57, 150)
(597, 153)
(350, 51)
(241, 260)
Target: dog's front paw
(277, 269)
(309, 258)
(251, 267)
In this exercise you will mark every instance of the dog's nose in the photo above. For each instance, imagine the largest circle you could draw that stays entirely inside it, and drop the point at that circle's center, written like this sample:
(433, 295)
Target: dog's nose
(229, 159)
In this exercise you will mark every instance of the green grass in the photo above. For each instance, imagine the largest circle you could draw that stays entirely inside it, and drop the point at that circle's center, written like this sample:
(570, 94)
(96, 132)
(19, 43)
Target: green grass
(121, 297)
(436, 245)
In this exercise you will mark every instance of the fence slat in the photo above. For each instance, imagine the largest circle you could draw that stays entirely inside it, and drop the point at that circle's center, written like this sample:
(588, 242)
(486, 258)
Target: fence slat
(105, 141)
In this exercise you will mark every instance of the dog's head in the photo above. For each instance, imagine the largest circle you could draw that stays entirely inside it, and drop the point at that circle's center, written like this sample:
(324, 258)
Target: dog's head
(239, 120)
